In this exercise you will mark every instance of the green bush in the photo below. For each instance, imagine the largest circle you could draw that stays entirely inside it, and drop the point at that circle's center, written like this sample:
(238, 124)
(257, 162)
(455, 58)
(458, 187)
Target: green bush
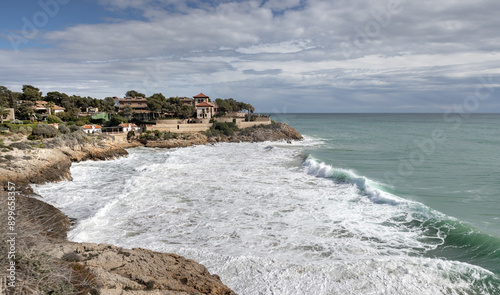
(169, 135)
(74, 128)
(44, 131)
(26, 130)
(64, 129)
(130, 135)
(33, 137)
(53, 119)
(226, 128)
(15, 128)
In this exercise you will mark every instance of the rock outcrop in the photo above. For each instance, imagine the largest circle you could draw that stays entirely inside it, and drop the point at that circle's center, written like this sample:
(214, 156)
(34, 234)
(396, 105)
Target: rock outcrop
(41, 165)
(140, 271)
(274, 132)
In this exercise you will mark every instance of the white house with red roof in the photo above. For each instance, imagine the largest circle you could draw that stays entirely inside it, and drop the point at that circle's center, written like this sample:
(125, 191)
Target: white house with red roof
(43, 108)
(92, 129)
(126, 127)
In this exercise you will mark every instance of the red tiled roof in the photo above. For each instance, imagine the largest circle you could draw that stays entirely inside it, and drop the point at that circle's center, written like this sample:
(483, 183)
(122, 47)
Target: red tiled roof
(42, 104)
(90, 127)
(201, 95)
(204, 104)
(126, 125)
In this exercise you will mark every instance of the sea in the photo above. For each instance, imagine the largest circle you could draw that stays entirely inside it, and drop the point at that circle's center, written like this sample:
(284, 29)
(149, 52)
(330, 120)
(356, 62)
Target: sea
(365, 204)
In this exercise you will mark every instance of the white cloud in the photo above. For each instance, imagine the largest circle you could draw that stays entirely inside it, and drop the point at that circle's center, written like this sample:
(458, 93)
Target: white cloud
(282, 47)
(233, 46)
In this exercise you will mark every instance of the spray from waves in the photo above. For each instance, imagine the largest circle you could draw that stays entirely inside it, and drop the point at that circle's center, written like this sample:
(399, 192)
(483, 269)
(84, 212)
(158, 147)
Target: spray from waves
(447, 237)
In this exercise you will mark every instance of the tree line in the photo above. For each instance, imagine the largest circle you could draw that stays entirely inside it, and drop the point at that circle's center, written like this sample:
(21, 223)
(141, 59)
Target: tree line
(74, 105)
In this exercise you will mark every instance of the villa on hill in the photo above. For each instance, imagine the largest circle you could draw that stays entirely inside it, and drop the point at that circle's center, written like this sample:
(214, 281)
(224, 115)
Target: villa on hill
(92, 129)
(139, 105)
(126, 127)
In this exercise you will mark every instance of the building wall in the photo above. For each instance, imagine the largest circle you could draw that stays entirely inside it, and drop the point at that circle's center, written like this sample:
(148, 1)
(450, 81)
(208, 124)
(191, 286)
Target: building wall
(179, 127)
(10, 116)
(242, 125)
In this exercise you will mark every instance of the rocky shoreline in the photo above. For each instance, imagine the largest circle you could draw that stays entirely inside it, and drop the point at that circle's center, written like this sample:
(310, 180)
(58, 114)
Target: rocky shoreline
(108, 269)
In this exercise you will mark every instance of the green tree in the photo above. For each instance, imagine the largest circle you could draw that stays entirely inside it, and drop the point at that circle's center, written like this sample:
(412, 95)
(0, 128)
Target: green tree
(31, 93)
(175, 101)
(185, 111)
(26, 111)
(133, 93)
(127, 112)
(157, 103)
(115, 120)
(6, 97)
(108, 105)
(55, 97)
(223, 105)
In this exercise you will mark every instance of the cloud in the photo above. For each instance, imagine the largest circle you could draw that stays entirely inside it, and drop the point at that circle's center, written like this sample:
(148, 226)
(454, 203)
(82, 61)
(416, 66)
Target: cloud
(264, 72)
(359, 55)
(282, 47)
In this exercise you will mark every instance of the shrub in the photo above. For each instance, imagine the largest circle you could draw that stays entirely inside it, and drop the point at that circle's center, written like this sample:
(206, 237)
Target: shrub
(226, 128)
(26, 130)
(74, 128)
(80, 123)
(64, 129)
(169, 135)
(53, 119)
(44, 131)
(130, 135)
(33, 137)
(9, 157)
(21, 145)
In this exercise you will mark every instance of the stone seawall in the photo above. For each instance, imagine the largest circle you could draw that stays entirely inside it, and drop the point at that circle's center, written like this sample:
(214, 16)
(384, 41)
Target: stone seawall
(182, 127)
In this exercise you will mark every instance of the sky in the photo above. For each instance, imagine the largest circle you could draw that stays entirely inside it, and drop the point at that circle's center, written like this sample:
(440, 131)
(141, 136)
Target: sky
(288, 56)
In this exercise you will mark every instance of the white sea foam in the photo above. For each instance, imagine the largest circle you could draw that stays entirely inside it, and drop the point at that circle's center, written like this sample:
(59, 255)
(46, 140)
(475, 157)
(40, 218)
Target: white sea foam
(251, 214)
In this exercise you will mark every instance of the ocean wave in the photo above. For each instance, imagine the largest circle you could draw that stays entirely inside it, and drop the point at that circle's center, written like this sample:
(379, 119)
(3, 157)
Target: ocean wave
(365, 186)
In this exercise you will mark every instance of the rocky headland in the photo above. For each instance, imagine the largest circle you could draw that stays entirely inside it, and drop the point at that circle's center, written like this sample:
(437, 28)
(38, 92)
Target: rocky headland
(47, 263)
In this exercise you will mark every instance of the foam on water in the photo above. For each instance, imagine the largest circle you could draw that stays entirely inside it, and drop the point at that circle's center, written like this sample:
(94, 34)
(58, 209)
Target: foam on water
(264, 219)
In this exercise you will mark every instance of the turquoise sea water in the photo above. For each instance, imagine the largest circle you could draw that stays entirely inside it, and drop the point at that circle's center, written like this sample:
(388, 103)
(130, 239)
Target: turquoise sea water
(449, 162)
(365, 204)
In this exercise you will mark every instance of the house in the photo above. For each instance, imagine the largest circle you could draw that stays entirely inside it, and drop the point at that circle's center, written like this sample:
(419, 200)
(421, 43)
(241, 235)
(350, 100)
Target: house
(204, 110)
(200, 98)
(11, 115)
(186, 101)
(92, 110)
(126, 127)
(44, 108)
(92, 129)
(139, 105)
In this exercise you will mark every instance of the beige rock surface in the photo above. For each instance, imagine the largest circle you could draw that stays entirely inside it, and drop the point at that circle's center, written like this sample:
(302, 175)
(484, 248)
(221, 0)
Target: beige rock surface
(141, 271)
